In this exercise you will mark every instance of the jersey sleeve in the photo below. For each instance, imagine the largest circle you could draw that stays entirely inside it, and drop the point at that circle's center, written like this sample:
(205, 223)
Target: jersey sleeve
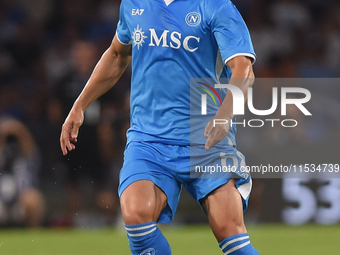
(231, 33)
(123, 32)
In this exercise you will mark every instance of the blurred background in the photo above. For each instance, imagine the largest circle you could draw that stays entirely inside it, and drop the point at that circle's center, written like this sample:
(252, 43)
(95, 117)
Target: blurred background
(48, 49)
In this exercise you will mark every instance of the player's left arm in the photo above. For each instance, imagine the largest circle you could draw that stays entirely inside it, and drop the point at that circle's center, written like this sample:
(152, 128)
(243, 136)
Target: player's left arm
(242, 77)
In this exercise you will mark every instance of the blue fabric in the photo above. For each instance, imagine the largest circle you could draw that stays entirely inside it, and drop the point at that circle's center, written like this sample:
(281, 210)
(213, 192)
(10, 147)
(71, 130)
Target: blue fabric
(147, 239)
(186, 40)
(237, 245)
(170, 166)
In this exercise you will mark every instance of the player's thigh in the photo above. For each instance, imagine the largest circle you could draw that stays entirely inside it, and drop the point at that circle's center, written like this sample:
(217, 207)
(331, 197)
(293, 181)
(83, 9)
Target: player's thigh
(142, 201)
(224, 208)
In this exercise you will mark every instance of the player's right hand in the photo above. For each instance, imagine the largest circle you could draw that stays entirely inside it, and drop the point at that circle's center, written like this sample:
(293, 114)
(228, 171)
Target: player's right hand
(215, 134)
(70, 129)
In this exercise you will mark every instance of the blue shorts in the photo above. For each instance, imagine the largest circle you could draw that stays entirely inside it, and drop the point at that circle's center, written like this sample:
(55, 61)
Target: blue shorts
(171, 166)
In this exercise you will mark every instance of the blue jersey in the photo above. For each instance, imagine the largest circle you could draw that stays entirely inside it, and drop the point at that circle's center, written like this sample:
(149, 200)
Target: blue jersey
(172, 42)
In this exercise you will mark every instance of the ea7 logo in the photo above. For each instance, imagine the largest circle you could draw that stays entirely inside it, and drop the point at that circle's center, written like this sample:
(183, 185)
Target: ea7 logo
(137, 11)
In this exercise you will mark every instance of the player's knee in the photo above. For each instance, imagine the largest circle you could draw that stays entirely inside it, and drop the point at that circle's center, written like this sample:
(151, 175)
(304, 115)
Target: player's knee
(138, 212)
(228, 228)
(233, 226)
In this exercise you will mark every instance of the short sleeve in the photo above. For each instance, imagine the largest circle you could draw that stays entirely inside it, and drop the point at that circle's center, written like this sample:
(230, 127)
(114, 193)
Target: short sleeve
(231, 33)
(123, 32)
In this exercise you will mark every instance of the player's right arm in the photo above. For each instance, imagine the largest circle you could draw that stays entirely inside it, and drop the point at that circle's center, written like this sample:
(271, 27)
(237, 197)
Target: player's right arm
(104, 76)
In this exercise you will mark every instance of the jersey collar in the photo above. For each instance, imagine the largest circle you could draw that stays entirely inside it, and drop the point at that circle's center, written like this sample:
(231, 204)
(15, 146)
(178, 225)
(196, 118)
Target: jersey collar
(168, 2)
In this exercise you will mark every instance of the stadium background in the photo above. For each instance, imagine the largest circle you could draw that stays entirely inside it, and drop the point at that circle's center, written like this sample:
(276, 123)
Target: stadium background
(47, 51)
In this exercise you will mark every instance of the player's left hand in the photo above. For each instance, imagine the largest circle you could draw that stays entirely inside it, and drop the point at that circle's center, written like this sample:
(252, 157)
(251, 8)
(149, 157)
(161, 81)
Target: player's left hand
(215, 133)
(70, 129)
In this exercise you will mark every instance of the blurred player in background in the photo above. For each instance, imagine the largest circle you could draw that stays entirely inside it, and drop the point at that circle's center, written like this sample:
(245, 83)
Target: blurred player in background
(170, 42)
(85, 164)
(21, 203)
